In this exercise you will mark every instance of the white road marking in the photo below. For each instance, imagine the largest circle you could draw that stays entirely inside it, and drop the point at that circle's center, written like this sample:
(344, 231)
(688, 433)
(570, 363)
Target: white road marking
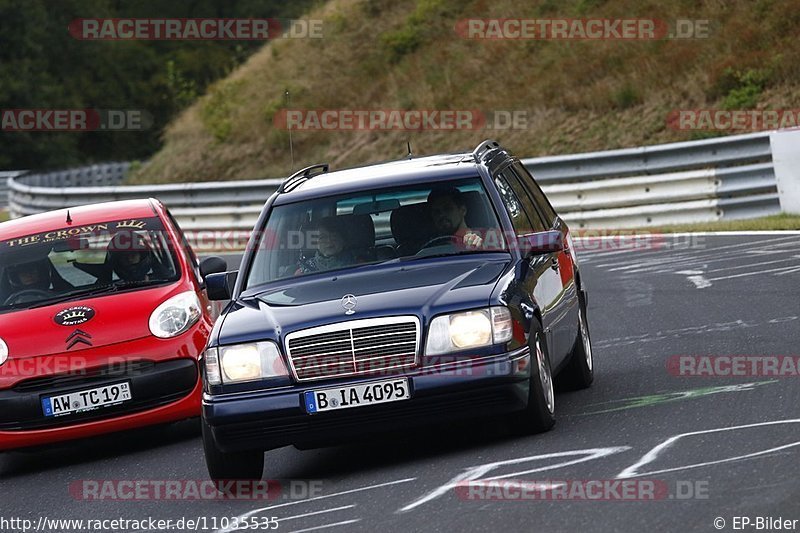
(316, 513)
(788, 272)
(676, 333)
(694, 256)
(326, 526)
(652, 455)
(696, 277)
(477, 472)
(763, 263)
(326, 496)
(782, 269)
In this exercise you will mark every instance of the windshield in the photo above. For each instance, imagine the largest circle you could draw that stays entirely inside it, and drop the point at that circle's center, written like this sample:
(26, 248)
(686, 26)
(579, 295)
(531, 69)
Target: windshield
(390, 224)
(81, 260)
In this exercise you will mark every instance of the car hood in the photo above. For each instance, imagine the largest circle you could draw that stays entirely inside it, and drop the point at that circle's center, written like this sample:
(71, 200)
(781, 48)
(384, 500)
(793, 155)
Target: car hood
(421, 288)
(114, 318)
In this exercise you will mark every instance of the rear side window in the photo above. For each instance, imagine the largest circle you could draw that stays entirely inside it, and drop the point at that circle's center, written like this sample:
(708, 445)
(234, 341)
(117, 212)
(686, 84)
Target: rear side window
(519, 219)
(545, 208)
(522, 212)
(534, 214)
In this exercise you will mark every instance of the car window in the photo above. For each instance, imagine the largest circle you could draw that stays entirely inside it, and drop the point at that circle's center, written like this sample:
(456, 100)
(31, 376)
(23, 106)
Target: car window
(186, 247)
(76, 260)
(544, 205)
(372, 226)
(519, 218)
(527, 202)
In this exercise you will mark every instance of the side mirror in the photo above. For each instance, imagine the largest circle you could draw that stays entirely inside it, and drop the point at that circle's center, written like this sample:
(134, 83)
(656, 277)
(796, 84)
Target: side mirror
(544, 242)
(220, 285)
(212, 265)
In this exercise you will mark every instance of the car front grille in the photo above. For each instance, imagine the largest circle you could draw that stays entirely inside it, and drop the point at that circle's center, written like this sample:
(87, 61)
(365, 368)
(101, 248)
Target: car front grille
(352, 348)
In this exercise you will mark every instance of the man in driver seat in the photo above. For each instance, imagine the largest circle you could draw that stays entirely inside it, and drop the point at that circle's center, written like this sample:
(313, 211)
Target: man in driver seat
(448, 211)
(34, 275)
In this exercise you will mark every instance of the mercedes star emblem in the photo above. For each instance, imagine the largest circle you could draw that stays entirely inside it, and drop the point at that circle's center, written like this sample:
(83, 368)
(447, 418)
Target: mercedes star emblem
(349, 303)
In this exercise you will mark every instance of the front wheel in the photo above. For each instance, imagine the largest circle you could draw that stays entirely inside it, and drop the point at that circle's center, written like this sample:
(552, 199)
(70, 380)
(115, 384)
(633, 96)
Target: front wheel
(230, 466)
(539, 416)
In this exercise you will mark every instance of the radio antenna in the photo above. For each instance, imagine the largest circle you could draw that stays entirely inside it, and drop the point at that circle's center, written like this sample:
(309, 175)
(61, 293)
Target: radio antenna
(289, 127)
(410, 155)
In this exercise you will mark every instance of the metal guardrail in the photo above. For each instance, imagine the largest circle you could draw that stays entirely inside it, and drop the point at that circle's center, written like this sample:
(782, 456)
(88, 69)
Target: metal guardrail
(4, 177)
(711, 179)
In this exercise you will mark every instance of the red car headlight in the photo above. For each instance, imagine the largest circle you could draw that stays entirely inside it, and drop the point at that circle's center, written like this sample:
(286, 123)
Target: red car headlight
(176, 315)
(3, 352)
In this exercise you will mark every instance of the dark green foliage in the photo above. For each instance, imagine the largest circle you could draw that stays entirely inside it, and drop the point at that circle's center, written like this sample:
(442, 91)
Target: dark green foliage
(43, 66)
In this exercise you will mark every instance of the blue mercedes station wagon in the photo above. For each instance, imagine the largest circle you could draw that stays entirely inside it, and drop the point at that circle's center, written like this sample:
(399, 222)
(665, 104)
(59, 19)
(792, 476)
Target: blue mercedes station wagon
(388, 296)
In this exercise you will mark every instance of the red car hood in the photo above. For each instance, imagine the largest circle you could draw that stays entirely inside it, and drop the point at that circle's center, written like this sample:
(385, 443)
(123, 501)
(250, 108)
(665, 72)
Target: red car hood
(117, 318)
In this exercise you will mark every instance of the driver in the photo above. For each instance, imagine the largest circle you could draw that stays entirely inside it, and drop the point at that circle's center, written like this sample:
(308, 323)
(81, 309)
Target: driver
(131, 257)
(448, 211)
(33, 275)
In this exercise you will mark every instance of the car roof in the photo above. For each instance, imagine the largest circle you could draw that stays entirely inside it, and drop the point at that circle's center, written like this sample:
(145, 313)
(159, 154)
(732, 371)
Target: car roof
(81, 216)
(376, 176)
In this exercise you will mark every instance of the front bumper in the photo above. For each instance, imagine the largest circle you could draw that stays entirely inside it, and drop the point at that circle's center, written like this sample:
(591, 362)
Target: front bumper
(165, 386)
(270, 419)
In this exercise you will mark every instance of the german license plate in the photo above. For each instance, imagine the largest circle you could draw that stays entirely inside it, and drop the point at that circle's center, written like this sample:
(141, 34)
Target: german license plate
(371, 393)
(87, 400)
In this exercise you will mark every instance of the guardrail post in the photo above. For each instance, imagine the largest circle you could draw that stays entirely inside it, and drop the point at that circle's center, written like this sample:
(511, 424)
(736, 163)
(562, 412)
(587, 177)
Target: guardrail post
(786, 160)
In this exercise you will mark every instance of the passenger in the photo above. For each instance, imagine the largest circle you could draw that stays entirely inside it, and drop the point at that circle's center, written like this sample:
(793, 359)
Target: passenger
(131, 257)
(448, 211)
(331, 250)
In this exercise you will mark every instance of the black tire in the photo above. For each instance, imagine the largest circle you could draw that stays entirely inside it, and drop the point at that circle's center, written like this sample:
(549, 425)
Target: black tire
(579, 372)
(226, 466)
(539, 415)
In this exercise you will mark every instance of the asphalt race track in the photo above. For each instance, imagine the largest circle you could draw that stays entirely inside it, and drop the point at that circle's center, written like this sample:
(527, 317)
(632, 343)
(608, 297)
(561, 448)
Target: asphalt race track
(715, 447)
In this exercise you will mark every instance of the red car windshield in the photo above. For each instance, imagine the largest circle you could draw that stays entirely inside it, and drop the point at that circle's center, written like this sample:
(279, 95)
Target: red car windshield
(80, 260)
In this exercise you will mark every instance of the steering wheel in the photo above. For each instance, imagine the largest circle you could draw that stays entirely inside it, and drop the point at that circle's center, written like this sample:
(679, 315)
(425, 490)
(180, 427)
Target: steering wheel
(26, 295)
(435, 241)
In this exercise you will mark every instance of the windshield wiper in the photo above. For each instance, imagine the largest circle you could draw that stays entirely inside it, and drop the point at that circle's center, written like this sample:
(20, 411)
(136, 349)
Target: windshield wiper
(448, 254)
(94, 291)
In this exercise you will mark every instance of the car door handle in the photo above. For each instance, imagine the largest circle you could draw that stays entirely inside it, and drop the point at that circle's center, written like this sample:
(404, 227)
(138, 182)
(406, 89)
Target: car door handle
(554, 263)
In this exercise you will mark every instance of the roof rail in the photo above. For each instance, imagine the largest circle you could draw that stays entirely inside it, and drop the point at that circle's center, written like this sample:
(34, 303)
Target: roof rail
(301, 176)
(483, 148)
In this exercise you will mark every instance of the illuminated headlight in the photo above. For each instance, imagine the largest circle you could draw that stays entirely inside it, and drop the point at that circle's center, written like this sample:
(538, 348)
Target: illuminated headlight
(471, 329)
(244, 362)
(3, 352)
(176, 315)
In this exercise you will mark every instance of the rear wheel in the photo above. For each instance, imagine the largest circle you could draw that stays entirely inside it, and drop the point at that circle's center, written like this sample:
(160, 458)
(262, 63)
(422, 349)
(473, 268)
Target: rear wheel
(230, 466)
(539, 416)
(579, 373)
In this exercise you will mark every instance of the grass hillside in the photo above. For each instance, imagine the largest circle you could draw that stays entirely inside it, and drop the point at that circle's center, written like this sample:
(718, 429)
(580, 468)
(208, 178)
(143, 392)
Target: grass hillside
(404, 54)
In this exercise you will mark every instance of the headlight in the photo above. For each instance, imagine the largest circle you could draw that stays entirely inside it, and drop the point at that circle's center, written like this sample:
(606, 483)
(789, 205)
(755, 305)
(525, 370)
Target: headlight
(244, 362)
(176, 315)
(3, 352)
(471, 329)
